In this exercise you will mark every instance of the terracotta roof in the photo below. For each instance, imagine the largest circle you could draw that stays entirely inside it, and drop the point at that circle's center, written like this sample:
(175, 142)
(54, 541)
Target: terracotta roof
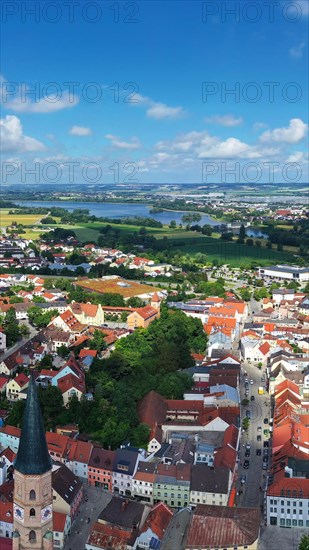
(158, 520)
(11, 430)
(146, 312)
(108, 536)
(225, 457)
(223, 526)
(6, 512)
(70, 381)
(21, 379)
(155, 298)
(152, 409)
(86, 352)
(264, 348)
(59, 521)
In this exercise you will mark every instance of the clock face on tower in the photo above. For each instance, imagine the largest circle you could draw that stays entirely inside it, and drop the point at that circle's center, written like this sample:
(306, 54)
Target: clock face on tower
(18, 512)
(46, 513)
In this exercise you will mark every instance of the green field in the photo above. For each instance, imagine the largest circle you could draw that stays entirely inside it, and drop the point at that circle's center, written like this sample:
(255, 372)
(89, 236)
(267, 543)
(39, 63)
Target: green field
(187, 242)
(7, 219)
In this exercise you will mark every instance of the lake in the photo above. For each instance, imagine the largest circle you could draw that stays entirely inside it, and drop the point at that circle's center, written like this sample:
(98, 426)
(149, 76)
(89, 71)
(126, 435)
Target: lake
(125, 210)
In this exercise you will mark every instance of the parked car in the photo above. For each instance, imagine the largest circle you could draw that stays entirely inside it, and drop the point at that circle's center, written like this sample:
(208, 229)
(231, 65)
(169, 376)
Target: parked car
(258, 452)
(265, 420)
(265, 432)
(247, 453)
(246, 464)
(252, 398)
(264, 467)
(251, 382)
(243, 479)
(265, 444)
(265, 459)
(259, 438)
(265, 451)
(248, 414)
(248, 445)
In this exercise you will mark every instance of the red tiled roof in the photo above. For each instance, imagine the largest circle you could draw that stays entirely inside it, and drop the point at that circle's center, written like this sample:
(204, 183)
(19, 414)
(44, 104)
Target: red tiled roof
(59, 521)
(146, 312)
(11, 430)
(86, 352)
(223, 526)
(158, 520)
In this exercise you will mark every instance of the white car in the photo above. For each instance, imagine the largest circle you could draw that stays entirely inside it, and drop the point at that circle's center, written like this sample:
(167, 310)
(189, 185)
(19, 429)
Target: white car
(248, 445)
(251, 382)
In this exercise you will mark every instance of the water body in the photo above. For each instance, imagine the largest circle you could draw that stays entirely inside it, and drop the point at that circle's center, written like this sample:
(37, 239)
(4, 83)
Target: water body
(126, 210)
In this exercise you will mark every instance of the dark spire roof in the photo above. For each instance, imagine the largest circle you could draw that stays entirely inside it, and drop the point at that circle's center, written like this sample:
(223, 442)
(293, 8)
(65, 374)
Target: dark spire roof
(32, 456)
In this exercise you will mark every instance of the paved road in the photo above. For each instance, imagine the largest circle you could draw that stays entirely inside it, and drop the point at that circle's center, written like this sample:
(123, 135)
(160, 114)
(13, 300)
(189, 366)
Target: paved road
(176, 533)
(97, 501)
(21, 342)
(252, 494)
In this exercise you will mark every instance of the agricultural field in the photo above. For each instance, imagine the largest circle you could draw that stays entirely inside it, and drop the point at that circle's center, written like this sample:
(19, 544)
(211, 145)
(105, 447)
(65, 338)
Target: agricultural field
(7, 219)
(114, 286)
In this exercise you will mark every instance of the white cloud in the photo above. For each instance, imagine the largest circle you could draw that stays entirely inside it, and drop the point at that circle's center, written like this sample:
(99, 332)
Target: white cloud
(259, 126)
(118, 143)
(13, 139)
(224, 120)
(230, 148)
(23, 99)
(299, 157)
(297, 51)
(47, 104)
(295, 132)
(158, 110)
(80, 131)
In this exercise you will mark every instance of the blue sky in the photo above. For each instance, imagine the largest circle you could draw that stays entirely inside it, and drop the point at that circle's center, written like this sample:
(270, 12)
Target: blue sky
(162, 70)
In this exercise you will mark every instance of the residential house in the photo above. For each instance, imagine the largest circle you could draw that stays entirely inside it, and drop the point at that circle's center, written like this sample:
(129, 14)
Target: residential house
(155, 527)
(9, 437)
(118, 525)
(209, 485)
(143, 480)
(88, 314)
(124, 467)
(61, 529)
(172, 485)
(67, 492)
(142, 317)
(15, 385)
(100, 468)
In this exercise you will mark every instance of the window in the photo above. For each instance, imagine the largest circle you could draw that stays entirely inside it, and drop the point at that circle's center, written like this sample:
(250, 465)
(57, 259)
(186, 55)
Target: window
(300, 523)
(282, 522)
(282, 510)
(288, 523)
(271, 501)
(32, 496)
(32, 536)
(282, 502)
(32, 512)
(294, 522)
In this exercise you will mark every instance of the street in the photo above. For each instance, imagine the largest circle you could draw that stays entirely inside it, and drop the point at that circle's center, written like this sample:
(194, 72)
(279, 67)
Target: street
(91, 508)
(251, 491)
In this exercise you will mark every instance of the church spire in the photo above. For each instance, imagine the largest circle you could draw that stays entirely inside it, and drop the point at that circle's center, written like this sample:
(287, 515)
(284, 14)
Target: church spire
(32, 456)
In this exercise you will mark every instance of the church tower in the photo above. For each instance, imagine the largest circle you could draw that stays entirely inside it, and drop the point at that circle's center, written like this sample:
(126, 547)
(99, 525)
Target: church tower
(155, 302)
(33, 497)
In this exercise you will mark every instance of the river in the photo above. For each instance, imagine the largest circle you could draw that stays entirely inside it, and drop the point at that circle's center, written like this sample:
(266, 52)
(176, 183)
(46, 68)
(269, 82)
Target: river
(125, 210)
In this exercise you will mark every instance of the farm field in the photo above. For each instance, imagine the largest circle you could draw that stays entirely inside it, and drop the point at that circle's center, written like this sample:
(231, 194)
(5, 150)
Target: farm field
(6, 219)
(112, 286)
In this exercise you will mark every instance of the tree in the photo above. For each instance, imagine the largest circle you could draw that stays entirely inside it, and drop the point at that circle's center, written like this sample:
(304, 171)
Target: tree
(63, 351)
(97, 342)
(249, 242)
(16, 414)
(304, 543)
(242, 232)
(173, 224)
